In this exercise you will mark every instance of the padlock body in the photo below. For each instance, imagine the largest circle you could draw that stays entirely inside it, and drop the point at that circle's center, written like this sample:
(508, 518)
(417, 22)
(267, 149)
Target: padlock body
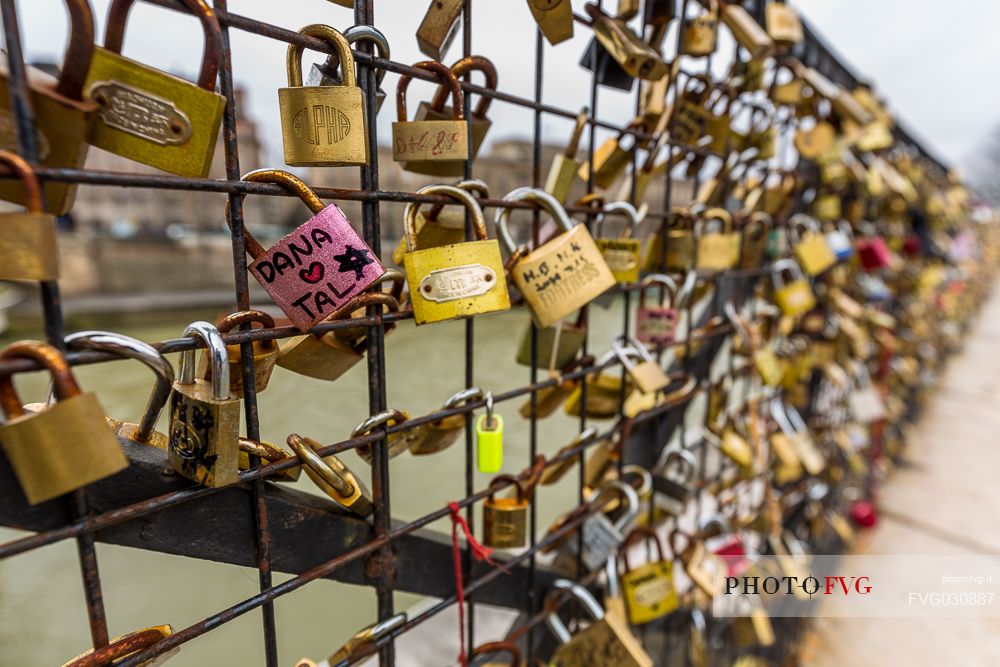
(747, 32)
(431, 147)
(204, 434)
(265, 356)
(153, 117)
(505, 523)
(62, 126)
(699, 35)
(547, 401)
(603, 398)
(562, 176)
(62, 448)
(554, 19)
(323, 126)
(874, 253)
(622, 257)
(610, 162)
(570, 341)
(648, 377)
(680, 250)
(489, 444)
(604, 643)
(480, 126)
(323, 357)
(655, 324)
(634, 56)
(649, 592)
(28, 247)
(795, 298)
(318, 268)
(782, 24)
(562, 276)
(718, 251)
(840, 244)
(432, 233)
(455, 281)
(438, 435)
(814, 254)
(438, 28)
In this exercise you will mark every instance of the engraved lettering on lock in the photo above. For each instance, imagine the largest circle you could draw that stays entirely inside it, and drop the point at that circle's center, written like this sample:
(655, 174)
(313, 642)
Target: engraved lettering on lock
(190, 430)
(321, 124)
(619, 259)
(140, 113)
(8, 136)
(651, 590)
(270, 268)
(457, 282)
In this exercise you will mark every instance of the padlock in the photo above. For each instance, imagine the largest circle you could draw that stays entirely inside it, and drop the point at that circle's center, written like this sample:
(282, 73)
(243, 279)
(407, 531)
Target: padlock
(792, 425)
(864, 400)
(441, 225)
(395, 443)
(129, 348)
(840, 238)
(607, 71)
(562, 275)
(438, 111)
(265, 353)
(333, 477)
(633, 55)
(267, 453)
(811, 247)
(794, 297)
(363, 639)
(150, 116)
(505, 520)
(647, 374)
(316, 269)
(716, 250)
(648, 590)
(657, 325)
(753, 239)
(725, 543)
(680, 241)
(700, 33)
(510, 648)
(442, 433)
(328, 72)
(815, 141)
(699, 565)
(611, 158)
(489, 439)
(678, 467)
(62, 447)
(554, 19)
(746, 31)
(433, 147)
(783, 24)
(565, 167)
(621, 253)
(873, 253)
(786, 90)
(27, 240)
(556, 346)
(323, 126)
(751, 624)
(120, 648)
(204, 418)
(557, 469)
(604, 394)
(458, 280)
(827, 206)
(601, 537)
(438, 28)
(548, 399)
(606, 642)
(63, 114)
(329, 355)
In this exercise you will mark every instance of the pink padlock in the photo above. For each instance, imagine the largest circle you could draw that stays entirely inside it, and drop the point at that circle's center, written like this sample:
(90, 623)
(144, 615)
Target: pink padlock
(320, 266)
(726, 544)
(657, 324)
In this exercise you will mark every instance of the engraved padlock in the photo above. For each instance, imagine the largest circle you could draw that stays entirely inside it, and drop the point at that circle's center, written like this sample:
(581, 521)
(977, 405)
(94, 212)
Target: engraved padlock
(433, 147)
(657, 325)
(151, 116)
(328, 73)
(28, 246)
(621, 252)
(265, 353)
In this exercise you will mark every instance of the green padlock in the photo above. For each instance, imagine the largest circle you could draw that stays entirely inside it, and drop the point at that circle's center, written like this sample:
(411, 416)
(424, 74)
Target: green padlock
(489, 439)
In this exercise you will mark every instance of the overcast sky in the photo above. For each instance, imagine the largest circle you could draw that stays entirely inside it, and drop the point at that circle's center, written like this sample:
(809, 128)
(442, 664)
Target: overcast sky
(933, 61)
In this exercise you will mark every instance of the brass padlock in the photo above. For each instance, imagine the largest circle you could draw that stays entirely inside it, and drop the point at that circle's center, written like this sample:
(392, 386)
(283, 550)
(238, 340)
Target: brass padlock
(395, 443)
(204, 418)
(812, 142)
(556, 346)
(679, 244)
(505, 520)
(753, 241)
(510, 648)
(562, 275)
(63, 447)
(129, 348)
(458, 280)
(795, 297)
(632, 54)
(433, 147)
(700, 33)
(565, 167)
(442, 224)
(783, 24)
(811, 247)
(746, 31)
(328, 72)
(786, 87)
(329, 355)
(442, 433)
(716, 250)
(621, 252)
(438, 28)
(612, 157)
(265, 353)
(267, 453)
(690, 119)
(359, 645)
(323, 126)
(331, 475)
(150, 116)
(648, 590)
(437, 110)
(121, 647)
(63, 114)
(606, 642)
(647, 374)
(604, 394)
(27, 240)
(554, 19)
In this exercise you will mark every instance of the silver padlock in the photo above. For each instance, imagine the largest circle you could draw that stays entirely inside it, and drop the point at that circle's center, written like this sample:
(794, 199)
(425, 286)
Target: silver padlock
(673, 488)
(327, 73)
(601, 537)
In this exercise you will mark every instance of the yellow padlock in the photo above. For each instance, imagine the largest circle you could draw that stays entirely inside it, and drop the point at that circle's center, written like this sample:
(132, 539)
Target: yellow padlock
(716, 250)
(621, 252)
(795, 297)
(811, 247)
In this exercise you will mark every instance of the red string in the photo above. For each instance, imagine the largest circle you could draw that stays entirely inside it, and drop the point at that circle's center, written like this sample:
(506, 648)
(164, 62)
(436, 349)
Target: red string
(480, 553)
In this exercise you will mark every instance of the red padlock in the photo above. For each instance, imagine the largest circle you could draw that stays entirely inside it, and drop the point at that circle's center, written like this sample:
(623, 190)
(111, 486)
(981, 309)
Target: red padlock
(863, 514)
(873, 251)
(727, 545)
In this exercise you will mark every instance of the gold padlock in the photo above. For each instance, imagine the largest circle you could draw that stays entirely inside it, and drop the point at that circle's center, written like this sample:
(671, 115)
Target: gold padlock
(204, 418)
(815, 141)
(442, 224)
(63, 114)
(331, 475)
(746, 31)
(457, 280)
(556, 346)
(604, 394)
(505, 520)
(622, 252)
(648, 590)
(150, 116)
(633, 55)
(811, 247)
(433, 147)
(554, 19)
(795, 297)
(699, 34)
(647, 374)
(438, 28)
(323, 126)
(62, 447)
(562, 275)
(565, 166)
(27, 240)
(442, 433)
(783, 24)
(753, 243)
(121, 647)
(786, 90)
(611, 158)
(716, 250)
(265, 353)
(395, 443)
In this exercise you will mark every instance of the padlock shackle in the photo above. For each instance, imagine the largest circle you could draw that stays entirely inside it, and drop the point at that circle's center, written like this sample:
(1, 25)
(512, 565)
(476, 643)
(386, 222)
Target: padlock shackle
(364, 33)
(632, 231)
(79, 50)
(645, 478)
(447, 79)
(336, 40)
(378, 419)
(114, 36)
(474, 185)
(778, 270)
(461, 68)
(756, 225)
(800, 224)
(574, 139)
(663, 280)
(583, 596)
(51, 359)
(639, 534)
(19, 167)
(290, 183)
(227, 323)
(708, 216)
(396, 277)
(626, 346)
(132, 348)
(218, 358)
(504, 481)
(628, 496)
(462, 397)
(687, 460)
(458, 194)
(509, 648)
(305, 449)
(543, 199)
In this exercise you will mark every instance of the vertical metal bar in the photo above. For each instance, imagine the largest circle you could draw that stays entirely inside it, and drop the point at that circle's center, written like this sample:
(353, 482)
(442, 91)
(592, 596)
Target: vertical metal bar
(259, 506)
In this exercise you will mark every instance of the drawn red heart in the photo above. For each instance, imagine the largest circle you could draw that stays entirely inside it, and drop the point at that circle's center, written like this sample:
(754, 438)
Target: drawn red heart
(313, 274)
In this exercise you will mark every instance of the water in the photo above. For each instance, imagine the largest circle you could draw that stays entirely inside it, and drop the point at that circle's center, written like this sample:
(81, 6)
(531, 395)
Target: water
(42, 611)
